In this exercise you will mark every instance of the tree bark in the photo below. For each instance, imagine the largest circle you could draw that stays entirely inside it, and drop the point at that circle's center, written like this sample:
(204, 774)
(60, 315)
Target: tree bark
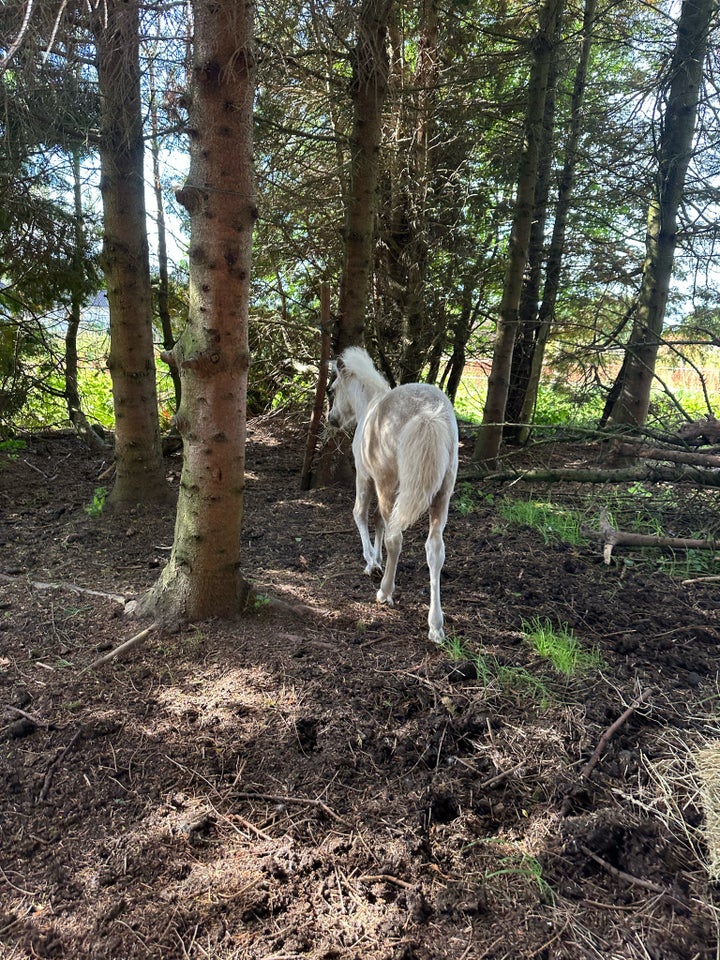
(323, 367)
(140, 473)
(163, 290)
(414, 235)
(202, 577)
(524, 348)
(681, 94)
(488, 441)
(566, 189)
(369, 87)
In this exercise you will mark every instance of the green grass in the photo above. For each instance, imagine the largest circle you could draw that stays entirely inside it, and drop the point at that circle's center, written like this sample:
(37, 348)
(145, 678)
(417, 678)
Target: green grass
(552, 522)
(516, 681)
(560, 646)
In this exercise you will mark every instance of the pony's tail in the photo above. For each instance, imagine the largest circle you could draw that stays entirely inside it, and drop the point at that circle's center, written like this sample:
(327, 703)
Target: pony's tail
(423, 457)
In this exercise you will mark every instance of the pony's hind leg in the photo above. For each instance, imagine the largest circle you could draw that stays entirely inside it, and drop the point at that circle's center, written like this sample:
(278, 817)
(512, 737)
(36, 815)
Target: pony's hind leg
(363, 493)
(435, 553)
(393, 546)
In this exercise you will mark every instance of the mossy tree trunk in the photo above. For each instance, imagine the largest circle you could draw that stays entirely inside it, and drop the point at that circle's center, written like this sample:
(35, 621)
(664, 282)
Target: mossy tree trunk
(140, 473)
(203, 577)
(680, 95)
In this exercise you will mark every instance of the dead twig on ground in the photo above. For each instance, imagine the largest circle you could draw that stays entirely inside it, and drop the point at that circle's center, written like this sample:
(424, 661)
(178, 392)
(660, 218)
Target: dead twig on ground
(622, 875)
(611, 537)
(385, 878)
(602, 743)
(29, 716)
(56, 763)
(62, 585)
(123, 648)
(301, 801)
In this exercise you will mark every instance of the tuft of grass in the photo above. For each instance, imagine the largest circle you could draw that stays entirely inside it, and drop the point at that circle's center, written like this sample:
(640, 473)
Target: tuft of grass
(515, 681)
(560, 646)
(467, 497)
(552, 522)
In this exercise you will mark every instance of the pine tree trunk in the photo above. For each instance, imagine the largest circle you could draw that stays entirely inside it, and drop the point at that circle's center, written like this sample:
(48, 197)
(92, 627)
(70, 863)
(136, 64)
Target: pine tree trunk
(140, 474)
(163, 291)
(566, 188)
(203, 577)
(369, 86)
(675, 149)
(530, 298)
(489, 437)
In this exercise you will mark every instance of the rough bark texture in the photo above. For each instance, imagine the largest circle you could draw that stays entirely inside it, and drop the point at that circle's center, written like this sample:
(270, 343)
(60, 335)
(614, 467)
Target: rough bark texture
(203, 575)
(524, 348)
(163, 290)
(566, 189)
(406, 234)
(369, 86)
(677, 127)
(489, 437)
(140, 474)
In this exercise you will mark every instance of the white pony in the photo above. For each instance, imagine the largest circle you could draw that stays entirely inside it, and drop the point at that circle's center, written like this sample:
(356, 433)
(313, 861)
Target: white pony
(406, 444)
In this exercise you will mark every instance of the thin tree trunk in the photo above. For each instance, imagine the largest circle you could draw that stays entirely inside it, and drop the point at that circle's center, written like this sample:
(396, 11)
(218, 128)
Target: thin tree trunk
(489, 437)
(163, 293)
(530, 296)
(566, 187)
(323, 367)
(140, 474)
(202, 577)
(418, 332)
(681, 95)
(369, 86)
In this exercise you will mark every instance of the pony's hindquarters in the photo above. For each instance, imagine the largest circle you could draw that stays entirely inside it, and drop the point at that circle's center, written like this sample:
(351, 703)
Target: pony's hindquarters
(426, 458)
(426, 464)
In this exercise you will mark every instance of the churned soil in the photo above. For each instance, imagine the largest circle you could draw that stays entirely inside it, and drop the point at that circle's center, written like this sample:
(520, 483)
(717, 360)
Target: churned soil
(317, 780)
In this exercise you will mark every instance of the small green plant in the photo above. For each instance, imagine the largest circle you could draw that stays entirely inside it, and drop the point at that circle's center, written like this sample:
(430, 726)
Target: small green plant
(97, 504)
(552, 522)
(11, 448)
(522, 865)
(464, 502)
(259, 602)
(560, 646)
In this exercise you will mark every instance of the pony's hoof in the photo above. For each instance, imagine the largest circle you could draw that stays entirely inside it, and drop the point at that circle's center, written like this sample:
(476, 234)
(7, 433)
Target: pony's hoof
(437, 636)
(381, 598)
(372, 568)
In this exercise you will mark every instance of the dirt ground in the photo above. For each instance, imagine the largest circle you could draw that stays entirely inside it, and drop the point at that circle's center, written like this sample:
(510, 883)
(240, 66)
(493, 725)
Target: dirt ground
(328, 784)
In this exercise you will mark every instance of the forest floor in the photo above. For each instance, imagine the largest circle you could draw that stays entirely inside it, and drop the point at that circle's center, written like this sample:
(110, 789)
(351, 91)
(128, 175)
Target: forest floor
(322, 782)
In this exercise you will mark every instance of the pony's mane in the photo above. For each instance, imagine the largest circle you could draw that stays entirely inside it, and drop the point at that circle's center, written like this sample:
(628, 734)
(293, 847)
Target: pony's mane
(359, 364)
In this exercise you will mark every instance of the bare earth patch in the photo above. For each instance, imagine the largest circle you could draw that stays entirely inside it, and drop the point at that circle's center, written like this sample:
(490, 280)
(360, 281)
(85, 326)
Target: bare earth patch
(328, 784)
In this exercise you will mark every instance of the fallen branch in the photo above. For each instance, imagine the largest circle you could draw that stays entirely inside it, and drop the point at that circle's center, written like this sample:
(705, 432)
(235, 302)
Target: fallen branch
(62, 585)
(674, 456)
(647, 473)
(123, 648)
(612, 537)
(602, 743)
